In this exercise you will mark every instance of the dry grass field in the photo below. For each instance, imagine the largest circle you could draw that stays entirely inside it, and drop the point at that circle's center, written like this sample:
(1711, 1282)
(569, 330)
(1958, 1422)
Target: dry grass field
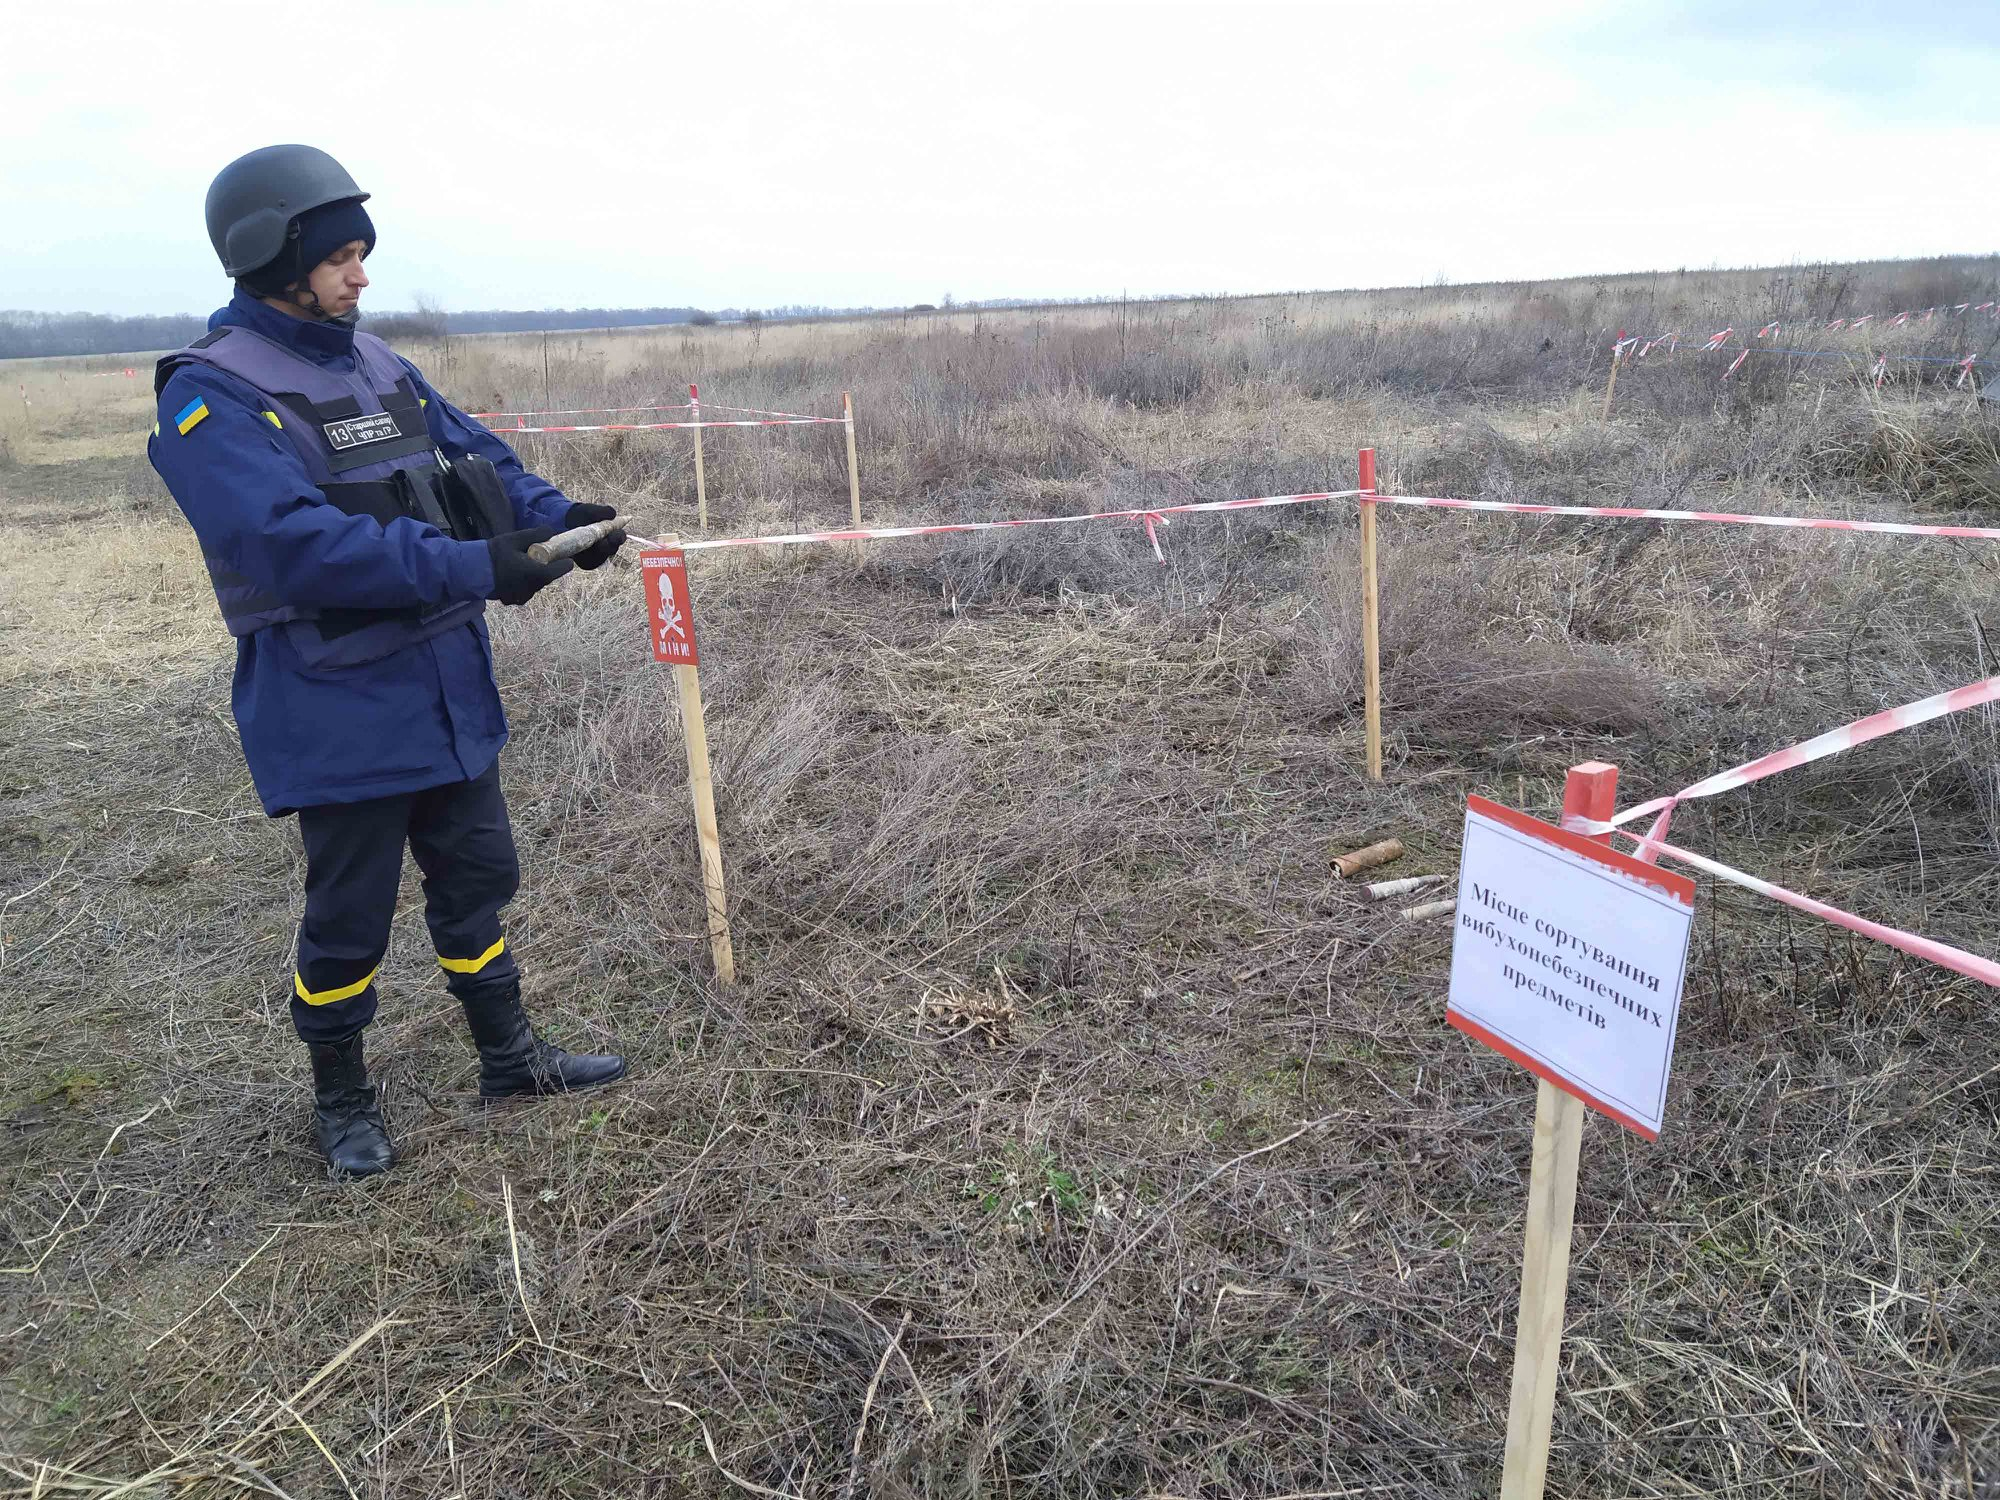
(1072, 1132)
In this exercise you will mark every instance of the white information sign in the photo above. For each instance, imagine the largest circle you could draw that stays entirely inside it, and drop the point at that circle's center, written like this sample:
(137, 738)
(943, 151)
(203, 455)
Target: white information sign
(1568, 958)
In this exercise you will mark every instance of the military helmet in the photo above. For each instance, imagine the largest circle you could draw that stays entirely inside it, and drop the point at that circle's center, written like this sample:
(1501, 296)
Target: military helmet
(254, 201)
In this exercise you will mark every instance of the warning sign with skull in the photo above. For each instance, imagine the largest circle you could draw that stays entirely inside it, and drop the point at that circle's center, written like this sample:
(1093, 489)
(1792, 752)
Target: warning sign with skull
(668, 606)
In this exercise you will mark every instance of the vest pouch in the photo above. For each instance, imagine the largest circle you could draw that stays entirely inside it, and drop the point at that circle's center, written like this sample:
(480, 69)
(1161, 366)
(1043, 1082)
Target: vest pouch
(338, 637)
(476, 499)
(423, 498)
(411, 493)
(380, 500)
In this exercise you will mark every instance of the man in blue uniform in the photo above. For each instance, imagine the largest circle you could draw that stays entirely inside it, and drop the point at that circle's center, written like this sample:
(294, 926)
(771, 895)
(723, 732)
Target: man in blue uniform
(354, 525)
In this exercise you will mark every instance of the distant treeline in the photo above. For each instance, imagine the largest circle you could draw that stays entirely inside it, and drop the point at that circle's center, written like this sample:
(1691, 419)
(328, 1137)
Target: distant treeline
(36, 335)
(429, 320)
(565, 319)
(29, 335)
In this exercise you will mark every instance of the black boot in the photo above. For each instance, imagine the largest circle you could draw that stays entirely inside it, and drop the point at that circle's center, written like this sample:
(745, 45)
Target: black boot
(513, 1060)
(347, 1116)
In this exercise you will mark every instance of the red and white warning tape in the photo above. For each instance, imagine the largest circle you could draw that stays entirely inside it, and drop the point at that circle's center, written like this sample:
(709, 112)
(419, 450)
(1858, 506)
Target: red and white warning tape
(663, 426)
(1833, 742)
(1819, 747)
(758, 411)
(613, 411)
(1985, 970)
(1156, 515)
(787, 416)
(1835, 325)
(692, 404)
(1151, 517)
(1892, 528)
(580, 411)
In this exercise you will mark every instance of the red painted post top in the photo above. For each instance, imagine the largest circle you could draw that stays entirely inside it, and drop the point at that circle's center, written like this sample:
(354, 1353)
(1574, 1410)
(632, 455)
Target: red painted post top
(1368, 469)
(1591, 791)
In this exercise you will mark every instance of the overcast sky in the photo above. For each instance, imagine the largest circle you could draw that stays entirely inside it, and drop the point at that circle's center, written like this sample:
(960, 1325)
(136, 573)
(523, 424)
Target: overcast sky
(573, 154)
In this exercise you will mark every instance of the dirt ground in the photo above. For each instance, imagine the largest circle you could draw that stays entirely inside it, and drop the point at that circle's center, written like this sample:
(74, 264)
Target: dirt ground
(1073, 1131)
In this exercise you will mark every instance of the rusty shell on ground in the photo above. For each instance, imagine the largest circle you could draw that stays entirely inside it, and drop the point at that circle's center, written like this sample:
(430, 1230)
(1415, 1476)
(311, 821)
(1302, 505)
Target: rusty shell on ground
(1347, 866)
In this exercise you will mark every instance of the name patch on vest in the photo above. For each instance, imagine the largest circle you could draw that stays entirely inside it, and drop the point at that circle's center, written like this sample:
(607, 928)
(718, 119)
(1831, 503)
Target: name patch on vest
(355, 432)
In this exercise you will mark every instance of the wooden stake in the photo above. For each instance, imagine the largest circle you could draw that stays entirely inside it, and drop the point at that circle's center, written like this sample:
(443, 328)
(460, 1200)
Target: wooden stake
(1592, 792)
(1371, 608)
(700, 784)
(1611, 384)
(700, 482)
(853, 464)
(1544, 1291)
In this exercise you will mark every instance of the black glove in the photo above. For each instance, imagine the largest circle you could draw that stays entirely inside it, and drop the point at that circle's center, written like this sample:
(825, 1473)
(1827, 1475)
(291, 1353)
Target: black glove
(516, 577)
(597, 554)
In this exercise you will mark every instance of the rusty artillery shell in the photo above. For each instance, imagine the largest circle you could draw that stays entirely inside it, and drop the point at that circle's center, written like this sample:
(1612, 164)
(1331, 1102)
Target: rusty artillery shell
(1347, 866)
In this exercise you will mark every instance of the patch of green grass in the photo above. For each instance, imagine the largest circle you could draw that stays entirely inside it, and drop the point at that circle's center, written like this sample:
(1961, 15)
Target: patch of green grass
(76, 1085)
(1061, 1187)
(72, 1083)
(1027, 1182)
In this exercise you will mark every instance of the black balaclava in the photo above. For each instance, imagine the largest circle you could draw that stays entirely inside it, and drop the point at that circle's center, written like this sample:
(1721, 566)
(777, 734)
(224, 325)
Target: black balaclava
(310, 239)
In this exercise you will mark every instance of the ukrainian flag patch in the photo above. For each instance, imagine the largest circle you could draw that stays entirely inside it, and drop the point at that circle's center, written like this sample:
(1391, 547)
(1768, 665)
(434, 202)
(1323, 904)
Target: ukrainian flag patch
(189, 416)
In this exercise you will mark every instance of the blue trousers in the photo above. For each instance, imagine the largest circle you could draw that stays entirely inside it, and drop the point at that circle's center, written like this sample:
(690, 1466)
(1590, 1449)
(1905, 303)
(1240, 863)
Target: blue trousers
(464, 846)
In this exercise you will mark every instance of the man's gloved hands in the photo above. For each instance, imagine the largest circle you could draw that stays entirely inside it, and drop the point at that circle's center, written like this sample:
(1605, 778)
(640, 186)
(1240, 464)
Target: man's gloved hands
(597, 554)
(516, 578)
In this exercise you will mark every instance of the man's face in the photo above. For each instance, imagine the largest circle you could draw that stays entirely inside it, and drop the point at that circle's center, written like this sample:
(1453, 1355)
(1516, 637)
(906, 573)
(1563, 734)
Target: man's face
(337, 281)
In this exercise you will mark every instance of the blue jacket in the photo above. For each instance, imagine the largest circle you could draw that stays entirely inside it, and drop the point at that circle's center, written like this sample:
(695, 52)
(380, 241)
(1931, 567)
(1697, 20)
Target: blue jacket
(420, 717)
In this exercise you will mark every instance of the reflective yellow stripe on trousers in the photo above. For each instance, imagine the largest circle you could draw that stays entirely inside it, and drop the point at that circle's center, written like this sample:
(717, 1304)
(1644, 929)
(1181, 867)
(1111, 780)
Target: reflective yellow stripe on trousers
(473, 965)
(330, 997)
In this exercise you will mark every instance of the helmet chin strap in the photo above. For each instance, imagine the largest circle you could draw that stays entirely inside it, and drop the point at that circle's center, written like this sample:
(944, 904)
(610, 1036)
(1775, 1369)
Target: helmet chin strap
(310, 302)
(301, 294)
